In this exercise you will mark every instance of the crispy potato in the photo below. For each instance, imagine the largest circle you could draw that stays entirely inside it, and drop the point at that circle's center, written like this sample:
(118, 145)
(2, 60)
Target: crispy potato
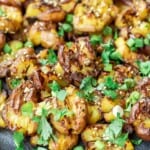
(11, 19)
(94, 133)
(78, 60)
(24, 64)
(94, 113)
(75, 122)
(3, 96)
(45, 34)
(11, 113)
(140, 118)
(44, 12)
(92, 16)
(63, 141)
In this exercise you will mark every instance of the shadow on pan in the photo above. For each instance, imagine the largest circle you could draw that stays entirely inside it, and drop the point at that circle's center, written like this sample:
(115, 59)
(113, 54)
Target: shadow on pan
(6, 142)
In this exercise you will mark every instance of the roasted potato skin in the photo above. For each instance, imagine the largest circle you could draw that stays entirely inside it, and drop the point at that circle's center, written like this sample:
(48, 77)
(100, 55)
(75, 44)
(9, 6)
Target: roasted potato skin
(140, 118)
(44, 12)
(77, 121)
(66, 142)
(11, 113)
(95, 132)
(44, 33)
(12, 19)
(88, 18)
(78, 60)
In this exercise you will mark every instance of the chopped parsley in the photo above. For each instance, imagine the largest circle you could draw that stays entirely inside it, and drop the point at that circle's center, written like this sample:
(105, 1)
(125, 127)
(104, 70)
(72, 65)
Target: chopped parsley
(69, 44)
(51, 58)
(18, 140)
(57, 91)
(113, 132)
(87, 88)
(15, 83)
(45, 130)
(27, 109)
(60, 113)
(95, 39)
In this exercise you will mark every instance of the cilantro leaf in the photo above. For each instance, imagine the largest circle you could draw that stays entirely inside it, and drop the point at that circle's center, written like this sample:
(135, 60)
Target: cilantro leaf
(95, 39)
(78, 148)
(60, 113)
(51, 58)
(27, 109)
(15, 83)
(128, 84)
(113, 132)
(121, 140)
(28, 44)
(1, 85)
(132, 99)
(107, 31)
(136, 141)
(69, 18)
(144, 68)
(87, 88)
(99, 145)
(18, 139)
(110, 93)
(44, 128)
(110, 83)
(57, 92)
(61, 95)
(2, 13)
(7, 49)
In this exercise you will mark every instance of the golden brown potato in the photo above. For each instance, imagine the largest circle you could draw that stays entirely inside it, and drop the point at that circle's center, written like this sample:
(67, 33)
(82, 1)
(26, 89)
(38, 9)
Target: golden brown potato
(94, 133)
(16, 3)
(44, 12)
(3, 96)
(25, 63)
(45, 34)
(12, 114)
(11, 19)
(140, 118)
(94, 113)
(66, 142)
(91, 16)
(76, 121)
(134, 19)
(78, 60)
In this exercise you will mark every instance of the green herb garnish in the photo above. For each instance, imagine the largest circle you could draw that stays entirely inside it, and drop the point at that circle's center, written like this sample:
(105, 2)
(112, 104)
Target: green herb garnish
(87, 88)
(18, 140)
(57, 92)
(7, 49)
(15, 83)
(95, 39)
(27, 109)
(113, 132)
(107, 31)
